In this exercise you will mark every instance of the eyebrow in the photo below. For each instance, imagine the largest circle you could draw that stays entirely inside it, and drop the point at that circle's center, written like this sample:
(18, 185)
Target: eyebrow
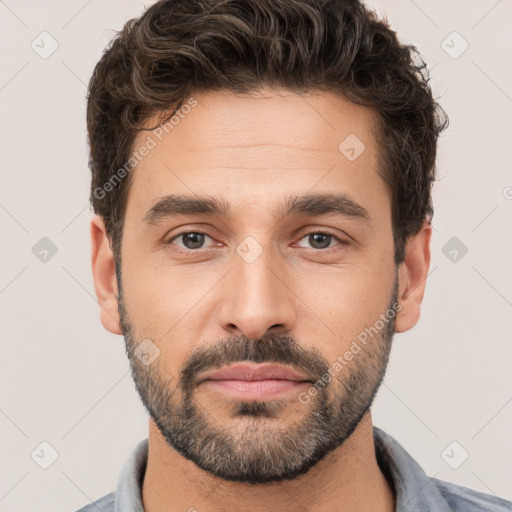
(307, 205)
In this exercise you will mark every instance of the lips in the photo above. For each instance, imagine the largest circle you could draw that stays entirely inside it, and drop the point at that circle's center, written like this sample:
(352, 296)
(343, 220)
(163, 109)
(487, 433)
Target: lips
(255, 372)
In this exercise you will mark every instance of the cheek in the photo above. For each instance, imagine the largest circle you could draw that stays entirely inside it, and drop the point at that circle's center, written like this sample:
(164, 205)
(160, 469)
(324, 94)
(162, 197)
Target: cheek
(167, 306)
(341, 303)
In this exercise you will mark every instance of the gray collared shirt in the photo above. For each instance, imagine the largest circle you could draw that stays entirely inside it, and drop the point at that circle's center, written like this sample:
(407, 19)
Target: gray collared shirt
(414, 490)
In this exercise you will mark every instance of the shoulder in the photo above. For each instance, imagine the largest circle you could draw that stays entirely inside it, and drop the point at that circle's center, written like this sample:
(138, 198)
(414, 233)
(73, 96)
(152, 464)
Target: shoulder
(464, 499)
(105, 504)
(416, 491)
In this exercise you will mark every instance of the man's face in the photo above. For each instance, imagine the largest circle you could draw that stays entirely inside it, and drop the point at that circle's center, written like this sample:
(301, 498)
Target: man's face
(264, 283)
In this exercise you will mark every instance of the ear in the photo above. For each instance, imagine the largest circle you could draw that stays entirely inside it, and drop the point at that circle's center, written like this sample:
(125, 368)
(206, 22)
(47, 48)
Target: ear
(412, 277)
(104, 275)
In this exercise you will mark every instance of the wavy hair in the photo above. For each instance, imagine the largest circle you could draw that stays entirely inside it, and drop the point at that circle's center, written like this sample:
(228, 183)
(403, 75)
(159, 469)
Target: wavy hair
(179, 47)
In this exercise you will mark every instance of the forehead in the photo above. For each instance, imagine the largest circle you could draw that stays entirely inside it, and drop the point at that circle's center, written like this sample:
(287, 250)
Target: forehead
(258, 147)
(272, 118)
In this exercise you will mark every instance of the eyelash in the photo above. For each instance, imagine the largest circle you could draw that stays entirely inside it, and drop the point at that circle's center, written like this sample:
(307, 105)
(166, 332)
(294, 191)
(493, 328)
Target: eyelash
(199, 232)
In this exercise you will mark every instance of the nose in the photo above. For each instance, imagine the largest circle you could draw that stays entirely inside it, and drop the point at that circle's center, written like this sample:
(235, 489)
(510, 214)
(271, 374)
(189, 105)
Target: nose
(256, 298)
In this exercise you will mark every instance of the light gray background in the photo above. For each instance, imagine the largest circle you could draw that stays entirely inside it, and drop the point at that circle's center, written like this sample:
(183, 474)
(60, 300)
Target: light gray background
(65, 380)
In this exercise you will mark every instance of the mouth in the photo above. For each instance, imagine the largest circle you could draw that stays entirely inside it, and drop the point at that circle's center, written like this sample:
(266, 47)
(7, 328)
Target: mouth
(255, 381)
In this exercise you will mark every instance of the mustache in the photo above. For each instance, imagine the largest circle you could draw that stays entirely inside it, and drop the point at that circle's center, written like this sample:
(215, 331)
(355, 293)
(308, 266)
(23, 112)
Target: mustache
(271, 348)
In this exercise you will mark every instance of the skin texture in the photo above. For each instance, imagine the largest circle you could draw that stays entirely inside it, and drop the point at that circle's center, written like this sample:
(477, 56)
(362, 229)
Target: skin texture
(253, 151)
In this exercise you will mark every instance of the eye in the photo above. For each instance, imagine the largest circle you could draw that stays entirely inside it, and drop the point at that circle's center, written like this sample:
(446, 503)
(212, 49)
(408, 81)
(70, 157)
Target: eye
(322, 241)
(191, 240)
(195, 240)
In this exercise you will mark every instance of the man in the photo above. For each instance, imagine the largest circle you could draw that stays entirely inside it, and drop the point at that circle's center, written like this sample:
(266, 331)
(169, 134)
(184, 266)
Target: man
(261, 176)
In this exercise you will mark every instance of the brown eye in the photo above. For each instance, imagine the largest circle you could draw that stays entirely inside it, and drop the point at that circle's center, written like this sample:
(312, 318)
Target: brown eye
(190, 239)
(321, 241)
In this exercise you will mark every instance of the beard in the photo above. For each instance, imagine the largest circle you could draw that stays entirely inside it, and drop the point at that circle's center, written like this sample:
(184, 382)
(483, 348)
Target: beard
(258, 446)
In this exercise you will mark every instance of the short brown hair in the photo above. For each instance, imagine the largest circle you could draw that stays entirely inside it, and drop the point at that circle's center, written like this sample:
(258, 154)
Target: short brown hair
(179, 47)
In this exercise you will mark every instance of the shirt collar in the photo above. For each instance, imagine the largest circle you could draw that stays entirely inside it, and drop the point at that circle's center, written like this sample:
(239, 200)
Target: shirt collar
(414, 490)
(128, 497)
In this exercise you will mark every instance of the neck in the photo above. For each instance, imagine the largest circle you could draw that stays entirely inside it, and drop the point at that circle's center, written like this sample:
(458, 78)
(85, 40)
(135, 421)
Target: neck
(348, 478)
